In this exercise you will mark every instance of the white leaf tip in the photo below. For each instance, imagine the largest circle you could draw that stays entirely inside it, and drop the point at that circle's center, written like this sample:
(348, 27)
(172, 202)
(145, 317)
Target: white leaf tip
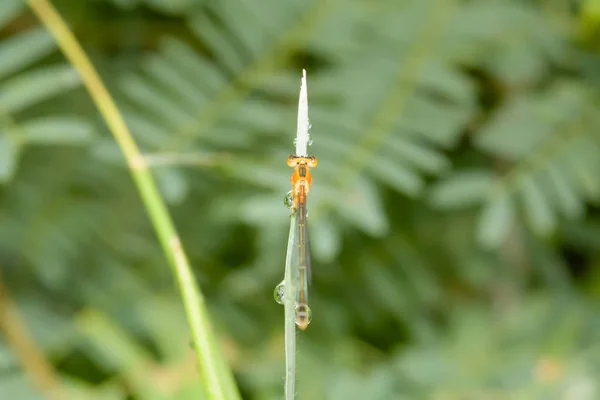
(303, 124)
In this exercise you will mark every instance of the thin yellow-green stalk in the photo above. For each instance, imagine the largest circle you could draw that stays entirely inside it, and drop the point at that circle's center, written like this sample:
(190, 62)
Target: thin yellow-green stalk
(30, 355)
(219, 381)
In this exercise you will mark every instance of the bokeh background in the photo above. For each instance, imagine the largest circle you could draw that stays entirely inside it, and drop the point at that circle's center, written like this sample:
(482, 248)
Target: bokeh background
(454, 216)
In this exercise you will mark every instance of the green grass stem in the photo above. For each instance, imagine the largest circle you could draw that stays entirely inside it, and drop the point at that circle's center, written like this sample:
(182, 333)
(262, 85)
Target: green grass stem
(217, 378)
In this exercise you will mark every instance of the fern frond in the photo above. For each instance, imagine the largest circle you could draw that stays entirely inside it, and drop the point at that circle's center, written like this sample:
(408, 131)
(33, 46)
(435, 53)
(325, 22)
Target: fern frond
(553, 155)
(24, 85)
(393, 128)
(390, 132)
(174, 7)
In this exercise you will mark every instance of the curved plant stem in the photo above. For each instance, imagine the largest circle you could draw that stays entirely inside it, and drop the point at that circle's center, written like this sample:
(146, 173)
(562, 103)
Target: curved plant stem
(216, 376)
(289, 304)
(31, 357)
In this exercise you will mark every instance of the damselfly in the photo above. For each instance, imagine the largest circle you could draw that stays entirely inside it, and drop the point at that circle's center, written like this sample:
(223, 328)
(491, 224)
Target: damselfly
(301, 181)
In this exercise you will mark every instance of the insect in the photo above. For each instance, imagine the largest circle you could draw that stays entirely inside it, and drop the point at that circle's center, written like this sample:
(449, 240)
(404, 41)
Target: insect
(301, 181)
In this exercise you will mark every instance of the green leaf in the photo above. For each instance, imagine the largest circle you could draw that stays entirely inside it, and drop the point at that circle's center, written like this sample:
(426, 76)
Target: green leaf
(115, 348)
(416, 273)
(256, 115)
(518, 64)
(450, 82)
(82, 390)
(503, 135)
(9, 157)
(197, 70)
(263, 175)
(107, 151)
(172, 184)
(418, 154)
(146, 132)
(216, 40)
(57, 130)
(565, 196)
(128, 4)
(165, 72)
(325, 240)
(263, 209)
(18, 386)
(33, 87)
(172, 7)
(235, 15)
(543, 116)
(396, 175)
(584, 164)
(439, 123)
(496, 220)
(157, 103)
(462, 189)
(24, 49)
(538, 210)
(9, 9)
(362, 207)
(383, 286)
(165, 321)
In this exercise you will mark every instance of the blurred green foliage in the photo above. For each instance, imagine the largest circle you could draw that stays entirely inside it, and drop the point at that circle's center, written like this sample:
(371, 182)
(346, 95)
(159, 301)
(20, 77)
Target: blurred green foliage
(454, 214)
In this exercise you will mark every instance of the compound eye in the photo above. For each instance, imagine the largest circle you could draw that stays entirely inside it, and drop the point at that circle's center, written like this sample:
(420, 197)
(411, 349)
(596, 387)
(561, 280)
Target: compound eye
(312, 161)
(291, 161)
